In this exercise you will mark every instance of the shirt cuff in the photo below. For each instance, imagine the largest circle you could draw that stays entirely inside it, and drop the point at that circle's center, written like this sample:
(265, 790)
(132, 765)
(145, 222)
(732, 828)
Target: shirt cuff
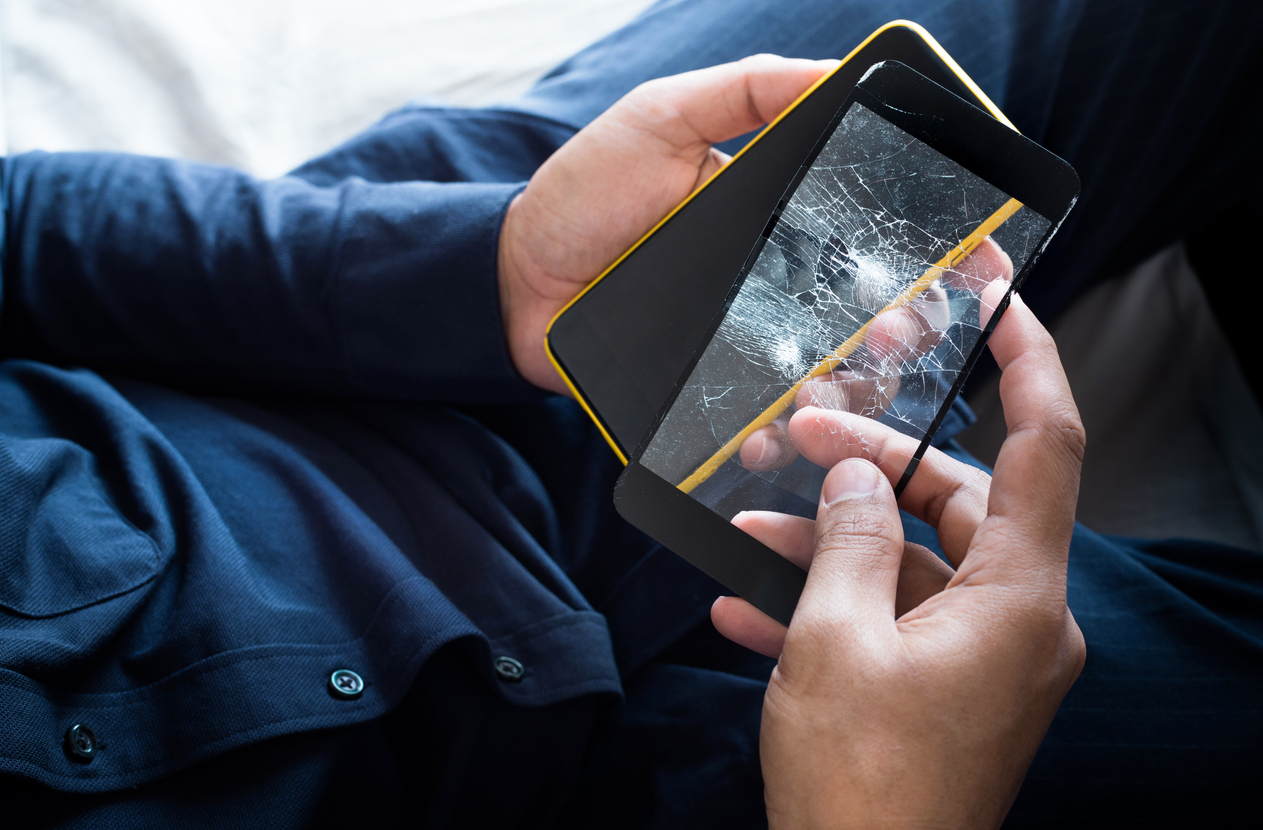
(418, 301)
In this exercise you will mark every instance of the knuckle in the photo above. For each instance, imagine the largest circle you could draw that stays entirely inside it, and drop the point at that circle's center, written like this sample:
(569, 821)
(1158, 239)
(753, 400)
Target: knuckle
(1061, 426)
(815, 629)
(1064, 648)
(858, 533)
(1043, 629)
(940, 501)
(879, 448)
(856, 523)
(1058, 646)
(1076, 646)
(966, 488)
(760, 60)
(1041, 338)
(1068, 426)
(650, 97)
(643, 91)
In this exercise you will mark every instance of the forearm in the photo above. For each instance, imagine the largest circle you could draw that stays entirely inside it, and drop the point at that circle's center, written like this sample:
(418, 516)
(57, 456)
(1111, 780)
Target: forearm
(203, 275)
(442, 144)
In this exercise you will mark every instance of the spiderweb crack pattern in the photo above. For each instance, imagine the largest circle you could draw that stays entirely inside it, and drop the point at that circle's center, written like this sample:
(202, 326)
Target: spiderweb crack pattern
(874, 213)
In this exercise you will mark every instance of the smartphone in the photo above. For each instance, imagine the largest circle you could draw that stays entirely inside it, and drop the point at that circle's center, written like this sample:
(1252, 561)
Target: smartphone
(858, 295)
(622, 343)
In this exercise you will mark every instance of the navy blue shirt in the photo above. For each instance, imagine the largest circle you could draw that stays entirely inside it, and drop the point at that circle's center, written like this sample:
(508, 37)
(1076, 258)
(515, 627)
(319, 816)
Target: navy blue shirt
(228, 461)
(254, 432)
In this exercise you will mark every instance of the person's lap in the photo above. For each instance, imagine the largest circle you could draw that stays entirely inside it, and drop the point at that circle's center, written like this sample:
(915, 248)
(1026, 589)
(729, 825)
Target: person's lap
(1162, 724)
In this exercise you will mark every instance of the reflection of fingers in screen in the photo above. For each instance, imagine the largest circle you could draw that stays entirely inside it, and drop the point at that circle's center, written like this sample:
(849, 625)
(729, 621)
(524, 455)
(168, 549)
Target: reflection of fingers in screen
(859, 391)
(769, 447)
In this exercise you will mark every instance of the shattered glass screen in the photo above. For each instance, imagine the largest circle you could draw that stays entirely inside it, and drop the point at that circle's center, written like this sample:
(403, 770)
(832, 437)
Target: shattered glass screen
(868, 296)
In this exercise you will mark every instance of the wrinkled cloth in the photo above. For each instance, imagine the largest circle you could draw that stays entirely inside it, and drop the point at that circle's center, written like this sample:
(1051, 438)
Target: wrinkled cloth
(257, 431)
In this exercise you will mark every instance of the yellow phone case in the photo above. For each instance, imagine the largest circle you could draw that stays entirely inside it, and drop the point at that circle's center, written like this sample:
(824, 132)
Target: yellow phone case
(980, 96)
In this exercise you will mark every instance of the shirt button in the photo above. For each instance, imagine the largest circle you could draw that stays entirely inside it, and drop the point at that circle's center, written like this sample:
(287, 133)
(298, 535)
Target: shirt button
(508, 669)
(345, 684)
(81, 744)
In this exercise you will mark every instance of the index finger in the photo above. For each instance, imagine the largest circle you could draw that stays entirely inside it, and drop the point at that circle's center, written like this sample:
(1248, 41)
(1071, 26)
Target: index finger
(1035, 485)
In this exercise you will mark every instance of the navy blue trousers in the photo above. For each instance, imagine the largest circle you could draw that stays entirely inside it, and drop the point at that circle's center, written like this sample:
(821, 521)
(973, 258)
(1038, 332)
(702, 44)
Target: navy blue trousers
(1164, 725)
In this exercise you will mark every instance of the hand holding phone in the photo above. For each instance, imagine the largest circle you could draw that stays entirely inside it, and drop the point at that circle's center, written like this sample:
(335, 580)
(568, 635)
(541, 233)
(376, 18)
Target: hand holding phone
(890, 221)
(908, 694)
(621, 345)
(609, 184)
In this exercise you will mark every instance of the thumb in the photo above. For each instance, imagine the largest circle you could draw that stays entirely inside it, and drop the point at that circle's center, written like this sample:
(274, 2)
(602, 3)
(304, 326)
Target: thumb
(854, 572)
(707, 106)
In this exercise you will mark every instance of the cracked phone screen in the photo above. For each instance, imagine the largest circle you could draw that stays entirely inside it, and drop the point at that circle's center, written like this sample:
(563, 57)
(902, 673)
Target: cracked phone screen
(868, 296)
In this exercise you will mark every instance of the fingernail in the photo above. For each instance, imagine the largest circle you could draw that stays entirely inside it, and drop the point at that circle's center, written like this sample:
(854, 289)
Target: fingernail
(852, 480)
(765, 451)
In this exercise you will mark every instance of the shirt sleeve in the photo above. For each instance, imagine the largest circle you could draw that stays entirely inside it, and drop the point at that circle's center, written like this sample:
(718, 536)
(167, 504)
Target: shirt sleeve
(203, 276)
